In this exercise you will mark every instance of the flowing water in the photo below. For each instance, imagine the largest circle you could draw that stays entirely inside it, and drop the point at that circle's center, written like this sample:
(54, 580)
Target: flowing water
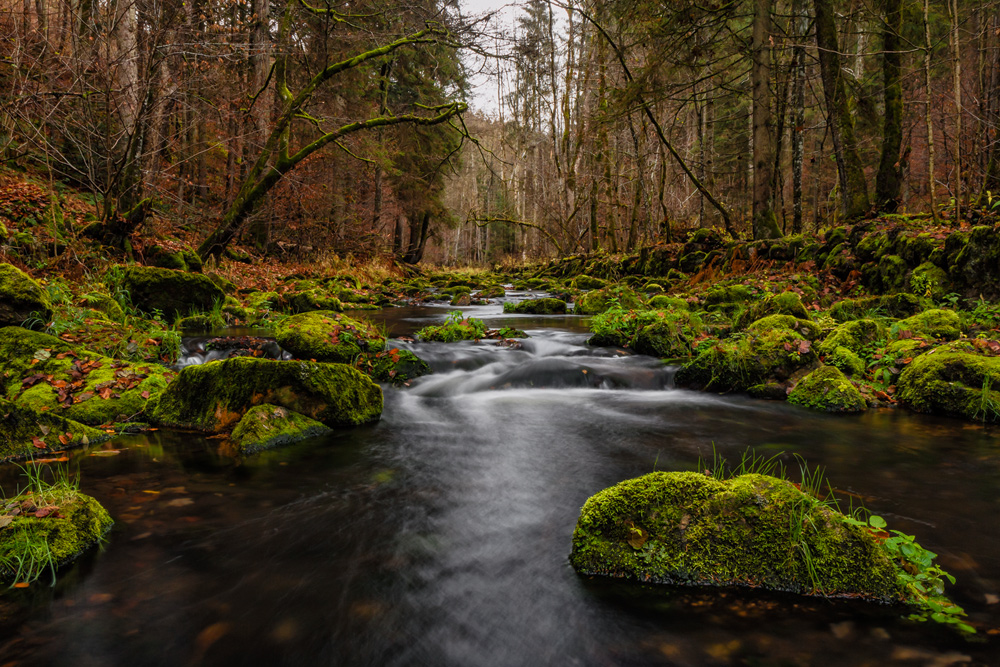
(440, 534)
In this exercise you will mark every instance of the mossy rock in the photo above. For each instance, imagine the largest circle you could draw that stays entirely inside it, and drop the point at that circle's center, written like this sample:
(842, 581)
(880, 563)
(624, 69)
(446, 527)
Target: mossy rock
(724, 295)
(21, 427)
(328, 336)
(872, 247)
(598, 301)
(891, 305)
(585, 282)
(688, 528)
(736, 364)
(546, 306)
(214, 397)
(492, 292)
(395, 365)
(664, 302)
(846, 360)
(840, 261)
(171, 292)
(827, 389)
(268, 426)
(180, 260)
(888, 275)
(45, 373)
(854, 335)
(311, 300)
(784, 303)
(929, 280)
(223, 283)
(935, 323)
(263, 300)
(668, 338)
(103, 303)
(952, 383)
(974, 265)
(21, 298)
(78, 525)
(461, 299)
(805, 328)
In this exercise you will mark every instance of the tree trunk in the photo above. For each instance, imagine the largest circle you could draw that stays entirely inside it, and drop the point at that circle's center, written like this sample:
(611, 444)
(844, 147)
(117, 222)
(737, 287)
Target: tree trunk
(889, 178)
(798, 124)
(931, 184)
(765, 223)
(853, 186)
(956, 53)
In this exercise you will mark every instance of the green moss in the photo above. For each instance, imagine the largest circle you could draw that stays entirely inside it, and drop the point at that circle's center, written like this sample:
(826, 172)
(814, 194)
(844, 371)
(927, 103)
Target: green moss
(828, 390)
(213, 397)
(455, 328)
(223, 283)
(753, 530)
(929, 280)
(492, 292)
(168, 291)
(21, 298)
(889, 274)
(104, 303)
(934, 323)
(728, 294)
(81, 523)
(840, 260)
(312, 300)
(854, 335)
(806, 328)
(29, 354)
(670, 335)
(267, 426)
(872, 247)
(846, 360)
(954, 383)
(328, 336)
(536, 306)
(892, 305)
(21, 427)
(785, 303)
(394, 365)
(740, 362)
(600, 300)
(664, 302)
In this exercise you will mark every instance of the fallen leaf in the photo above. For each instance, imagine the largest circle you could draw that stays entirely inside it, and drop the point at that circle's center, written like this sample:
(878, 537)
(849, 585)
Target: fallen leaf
(38, 442)
(22, 584)
(5, 521)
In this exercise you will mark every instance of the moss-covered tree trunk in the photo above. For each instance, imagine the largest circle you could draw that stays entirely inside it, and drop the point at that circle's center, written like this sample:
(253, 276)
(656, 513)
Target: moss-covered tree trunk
(889, 178)
(765, 224)
(851, 174)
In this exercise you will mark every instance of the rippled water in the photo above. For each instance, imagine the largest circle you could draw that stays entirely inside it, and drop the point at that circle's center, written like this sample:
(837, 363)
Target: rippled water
(440, 535)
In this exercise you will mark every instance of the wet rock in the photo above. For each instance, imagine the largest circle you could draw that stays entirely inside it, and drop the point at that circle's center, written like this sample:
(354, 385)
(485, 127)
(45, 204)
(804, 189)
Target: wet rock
(21, 298)
(827, 389)
(395, 365)
(585, 282)
(328, 336)
(600, 300)
(169, 291)
(214, 397)
(45, 373)
(25, 432)
(954, 380)
(854, 335)
(267, 426)
(536, 306)
(934, 323)
(692, 529)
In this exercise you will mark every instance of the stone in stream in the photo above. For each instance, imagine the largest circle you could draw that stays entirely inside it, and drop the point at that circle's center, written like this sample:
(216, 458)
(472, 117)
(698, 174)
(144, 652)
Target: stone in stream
(267, 426)
(600, 300)
(21, 298)
(959, 379)
(214, 397)
(326, 336)
(25, 432)
(169, 291)
(547, 306)
(45, 373)
(753, 530)
(827, 389)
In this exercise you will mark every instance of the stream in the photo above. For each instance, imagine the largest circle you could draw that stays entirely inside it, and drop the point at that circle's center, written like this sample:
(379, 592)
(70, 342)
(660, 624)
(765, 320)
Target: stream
(440, 534)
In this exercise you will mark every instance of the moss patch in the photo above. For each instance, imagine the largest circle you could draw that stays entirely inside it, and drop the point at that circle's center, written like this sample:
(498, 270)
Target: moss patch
(954, 383)
(827, 389)
(934, 323)
(214, 397)
(753, 530)
(170, 292)
(25, 432)
(267, 426)
(536, 306)
(21, 298)
(328, 337)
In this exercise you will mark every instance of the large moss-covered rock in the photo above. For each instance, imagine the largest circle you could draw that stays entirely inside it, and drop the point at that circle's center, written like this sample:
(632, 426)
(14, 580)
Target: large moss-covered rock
(890, 305)
(669, 336)
(600, 300)
(25, 432)
(854, 335)
(62, 533)
(327, 336)
(180, 260)
(585, 282)
(313, 299)
(214, 397)
(974, 264)
(395, 365)
(47, 374)
(754, 530)
(951, 382)
(934, 323)
(846, 360)
(805, 328)
(21, 298)
(170, 291)
(827, 389)
(267, 426)
(536, 306)
(784, 303)
(736, 364)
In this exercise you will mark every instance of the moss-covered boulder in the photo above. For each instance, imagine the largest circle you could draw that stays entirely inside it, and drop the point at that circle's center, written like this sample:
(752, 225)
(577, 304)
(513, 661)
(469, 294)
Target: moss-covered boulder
(21, 298)
(738, 363)
(890, 305)
(214, 397)
(854, 335)
(664, 302)
(784, 303)
(692, 529)
(395, 365)
(585, 282)
(975, 262)
(934, 323)
(25, 432)
(310, 300)
(62, 525)
(45, 373)
(846, 360)
(600, 300)
(104, 304)
(267, 426)
(955, 383)
(929, 280)
(722, 295)
(169, 291)
(179, 260)
(328, 336)
(546, 306)
(827, 389)
(805, 328)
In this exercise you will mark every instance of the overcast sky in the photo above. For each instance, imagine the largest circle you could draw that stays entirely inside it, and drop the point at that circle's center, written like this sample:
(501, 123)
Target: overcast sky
(484, 87)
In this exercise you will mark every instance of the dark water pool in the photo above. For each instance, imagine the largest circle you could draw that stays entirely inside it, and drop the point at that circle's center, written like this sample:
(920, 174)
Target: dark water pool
(440, 535)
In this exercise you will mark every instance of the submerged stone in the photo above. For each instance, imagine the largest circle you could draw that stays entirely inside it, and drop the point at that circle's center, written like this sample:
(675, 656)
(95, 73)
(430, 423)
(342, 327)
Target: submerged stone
(267, 426)
(827, 389)
(327, 336)
(21, 298)
(753, 530)
(214, 397)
